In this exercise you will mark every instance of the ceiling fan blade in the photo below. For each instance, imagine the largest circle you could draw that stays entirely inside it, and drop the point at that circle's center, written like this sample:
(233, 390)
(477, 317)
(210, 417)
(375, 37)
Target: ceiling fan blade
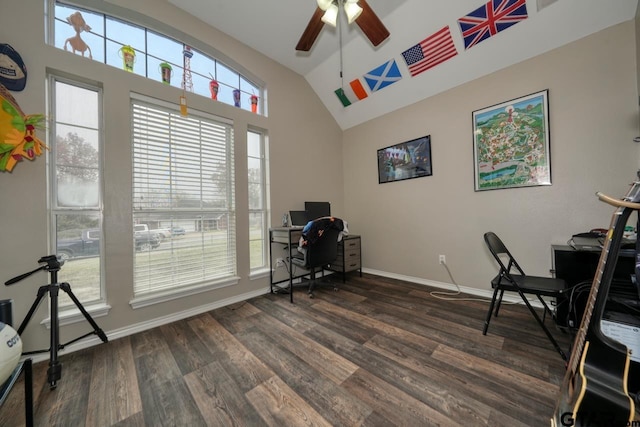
(371, 25)
(312, 31)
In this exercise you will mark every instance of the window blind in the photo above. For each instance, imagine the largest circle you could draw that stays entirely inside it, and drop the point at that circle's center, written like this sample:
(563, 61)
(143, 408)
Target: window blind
(183, 180)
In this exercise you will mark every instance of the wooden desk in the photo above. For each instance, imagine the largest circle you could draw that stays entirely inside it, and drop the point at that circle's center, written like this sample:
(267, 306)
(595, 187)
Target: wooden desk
(349, 255)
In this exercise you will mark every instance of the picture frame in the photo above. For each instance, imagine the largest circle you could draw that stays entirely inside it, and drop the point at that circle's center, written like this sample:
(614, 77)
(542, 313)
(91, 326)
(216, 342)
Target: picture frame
(511, 143)
(406, 160)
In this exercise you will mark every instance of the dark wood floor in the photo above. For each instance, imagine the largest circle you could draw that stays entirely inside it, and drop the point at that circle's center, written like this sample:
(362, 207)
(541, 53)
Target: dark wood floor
(379, 352)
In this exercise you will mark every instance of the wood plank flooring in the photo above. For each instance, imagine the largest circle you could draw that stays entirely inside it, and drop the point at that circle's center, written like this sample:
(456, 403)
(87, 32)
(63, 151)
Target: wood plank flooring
(379, 352)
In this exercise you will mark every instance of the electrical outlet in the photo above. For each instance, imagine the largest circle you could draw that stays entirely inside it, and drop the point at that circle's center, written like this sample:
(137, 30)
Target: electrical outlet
(279, 262)
(442, 259)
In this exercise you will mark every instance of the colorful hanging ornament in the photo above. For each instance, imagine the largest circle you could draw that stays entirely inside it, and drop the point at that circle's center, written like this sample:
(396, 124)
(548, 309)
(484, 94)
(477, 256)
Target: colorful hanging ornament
(187, 78)
(165, 72)
(128, 55)
(236, 97)
(214, 86)
(183, 105)
(17, 133)
(79, 25)
(254, 103)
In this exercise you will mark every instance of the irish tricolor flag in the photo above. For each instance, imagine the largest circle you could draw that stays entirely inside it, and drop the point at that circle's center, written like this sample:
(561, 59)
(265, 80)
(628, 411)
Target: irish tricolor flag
(351, 93)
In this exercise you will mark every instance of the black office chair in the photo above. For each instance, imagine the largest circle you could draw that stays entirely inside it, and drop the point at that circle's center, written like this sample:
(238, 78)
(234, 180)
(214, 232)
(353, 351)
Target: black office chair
(522, 284)
(321, 249)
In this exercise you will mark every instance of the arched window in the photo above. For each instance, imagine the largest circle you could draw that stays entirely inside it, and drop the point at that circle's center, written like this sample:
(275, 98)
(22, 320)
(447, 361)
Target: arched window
(148, 53)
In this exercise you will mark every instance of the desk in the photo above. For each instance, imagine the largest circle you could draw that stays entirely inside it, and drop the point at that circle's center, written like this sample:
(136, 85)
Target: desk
(287, 238)
(26, 367)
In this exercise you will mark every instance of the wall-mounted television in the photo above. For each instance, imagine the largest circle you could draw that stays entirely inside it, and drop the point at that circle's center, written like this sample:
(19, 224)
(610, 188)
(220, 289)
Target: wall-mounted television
(407, 160)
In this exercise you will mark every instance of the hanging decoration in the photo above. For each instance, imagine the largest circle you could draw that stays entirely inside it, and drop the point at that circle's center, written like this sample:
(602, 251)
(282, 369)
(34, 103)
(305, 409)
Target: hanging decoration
(77, 44)
(236, 97)
(17, 133)
(165, 71)
(187, 79)
(183, 106)
(13, 72)
(214, 86)
(254, 103)
(128, 55)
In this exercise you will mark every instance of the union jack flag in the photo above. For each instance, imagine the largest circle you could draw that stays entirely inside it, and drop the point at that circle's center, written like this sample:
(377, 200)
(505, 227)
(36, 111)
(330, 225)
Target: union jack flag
(490, 19)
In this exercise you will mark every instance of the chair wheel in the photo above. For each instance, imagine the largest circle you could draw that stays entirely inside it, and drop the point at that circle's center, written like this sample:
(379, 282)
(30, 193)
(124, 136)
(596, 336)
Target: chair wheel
(310, 295)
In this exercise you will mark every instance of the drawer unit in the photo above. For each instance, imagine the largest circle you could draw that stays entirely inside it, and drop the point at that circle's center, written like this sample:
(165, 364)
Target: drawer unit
(349, 256)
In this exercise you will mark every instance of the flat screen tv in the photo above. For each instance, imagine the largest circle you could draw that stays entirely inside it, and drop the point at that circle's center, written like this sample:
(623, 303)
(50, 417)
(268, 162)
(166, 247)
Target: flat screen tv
(407, 160)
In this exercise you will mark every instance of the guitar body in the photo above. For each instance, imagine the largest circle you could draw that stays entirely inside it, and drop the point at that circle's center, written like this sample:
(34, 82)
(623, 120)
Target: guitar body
(598, 395)
(594, 392)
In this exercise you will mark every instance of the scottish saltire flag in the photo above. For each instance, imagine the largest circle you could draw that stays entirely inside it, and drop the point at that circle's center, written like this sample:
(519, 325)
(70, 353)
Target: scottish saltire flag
(352, 93)
(490, 19)
(430, 52)
(381, 77)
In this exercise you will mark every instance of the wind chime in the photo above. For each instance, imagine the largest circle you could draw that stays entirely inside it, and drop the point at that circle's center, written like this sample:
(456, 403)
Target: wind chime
(187, 80)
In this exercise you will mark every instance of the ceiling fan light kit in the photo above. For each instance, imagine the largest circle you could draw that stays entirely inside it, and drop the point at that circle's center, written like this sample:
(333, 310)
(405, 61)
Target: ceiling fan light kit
(357, 11)
(331, 15)
(352, 10)
(324, 4)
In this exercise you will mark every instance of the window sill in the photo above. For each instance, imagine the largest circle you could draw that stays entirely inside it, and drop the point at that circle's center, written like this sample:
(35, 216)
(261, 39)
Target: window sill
(160, 297)
(259, 273)
(68, 316)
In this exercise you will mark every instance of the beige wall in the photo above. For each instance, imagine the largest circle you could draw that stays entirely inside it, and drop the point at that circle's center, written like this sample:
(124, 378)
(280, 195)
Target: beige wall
(593, 102)
(305, 144)
(405, 225)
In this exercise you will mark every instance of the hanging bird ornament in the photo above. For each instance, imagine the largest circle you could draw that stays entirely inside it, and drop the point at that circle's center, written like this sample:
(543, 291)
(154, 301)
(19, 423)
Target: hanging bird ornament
(18, 139)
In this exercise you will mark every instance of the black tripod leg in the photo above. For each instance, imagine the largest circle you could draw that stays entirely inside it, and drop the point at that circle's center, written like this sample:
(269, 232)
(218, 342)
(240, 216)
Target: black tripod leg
(54, 373)
(41, 292)
(99, 332)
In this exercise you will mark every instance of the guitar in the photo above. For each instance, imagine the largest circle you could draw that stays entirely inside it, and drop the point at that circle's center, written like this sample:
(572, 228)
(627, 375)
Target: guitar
(594, 391)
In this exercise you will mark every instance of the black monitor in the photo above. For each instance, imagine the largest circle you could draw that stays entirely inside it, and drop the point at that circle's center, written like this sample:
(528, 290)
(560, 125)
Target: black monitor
(317, 209)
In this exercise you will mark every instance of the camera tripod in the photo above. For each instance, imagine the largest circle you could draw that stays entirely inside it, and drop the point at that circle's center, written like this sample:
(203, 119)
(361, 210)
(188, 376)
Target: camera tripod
(52, 265)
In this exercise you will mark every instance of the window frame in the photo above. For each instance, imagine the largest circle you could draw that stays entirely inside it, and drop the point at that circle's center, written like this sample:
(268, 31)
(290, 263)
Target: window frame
(162, 294)
(146, 24)
(266, 202)
(54, 209)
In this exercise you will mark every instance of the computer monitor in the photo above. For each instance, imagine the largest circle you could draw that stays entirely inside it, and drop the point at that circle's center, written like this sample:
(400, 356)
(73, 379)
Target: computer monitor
(317, 209)
(298, 218)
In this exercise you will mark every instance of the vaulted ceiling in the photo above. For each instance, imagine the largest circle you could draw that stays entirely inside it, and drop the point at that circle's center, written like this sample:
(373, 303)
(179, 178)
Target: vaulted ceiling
(274, 27)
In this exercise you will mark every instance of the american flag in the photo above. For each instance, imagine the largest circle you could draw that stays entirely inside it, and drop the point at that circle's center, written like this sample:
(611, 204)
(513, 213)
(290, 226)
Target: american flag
(430, 52)
(490, 19)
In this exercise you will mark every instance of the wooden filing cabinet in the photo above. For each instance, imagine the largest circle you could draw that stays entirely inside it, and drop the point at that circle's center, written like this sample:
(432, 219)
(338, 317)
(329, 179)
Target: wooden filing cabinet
(349, 256)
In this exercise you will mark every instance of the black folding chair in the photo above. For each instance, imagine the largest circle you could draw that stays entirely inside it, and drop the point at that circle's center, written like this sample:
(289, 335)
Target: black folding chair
(523, 285)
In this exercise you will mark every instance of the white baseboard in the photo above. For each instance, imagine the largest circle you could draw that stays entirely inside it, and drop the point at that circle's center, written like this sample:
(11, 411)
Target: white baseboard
(149, 324)
(481, 293)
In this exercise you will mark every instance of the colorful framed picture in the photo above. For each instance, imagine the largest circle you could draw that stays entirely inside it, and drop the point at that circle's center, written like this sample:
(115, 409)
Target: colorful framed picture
(407, 160)
(511, 143)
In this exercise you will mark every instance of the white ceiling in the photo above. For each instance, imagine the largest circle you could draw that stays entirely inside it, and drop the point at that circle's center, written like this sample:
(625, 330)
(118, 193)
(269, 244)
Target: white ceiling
(274, 27)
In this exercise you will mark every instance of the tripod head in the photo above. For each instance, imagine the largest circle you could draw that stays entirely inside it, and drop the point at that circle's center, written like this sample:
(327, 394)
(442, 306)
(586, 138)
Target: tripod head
(52, 264)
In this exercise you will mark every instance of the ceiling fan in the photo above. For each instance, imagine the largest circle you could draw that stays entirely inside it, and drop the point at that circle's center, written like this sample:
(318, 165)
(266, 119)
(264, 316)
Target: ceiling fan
(356, 10)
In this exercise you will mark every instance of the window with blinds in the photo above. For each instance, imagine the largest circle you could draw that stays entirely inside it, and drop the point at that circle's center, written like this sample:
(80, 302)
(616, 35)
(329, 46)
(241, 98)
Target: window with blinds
(183, 199)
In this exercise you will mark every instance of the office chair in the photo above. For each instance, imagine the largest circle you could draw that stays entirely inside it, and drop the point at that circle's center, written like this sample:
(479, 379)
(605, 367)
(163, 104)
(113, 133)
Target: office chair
(321, 247)
(522, 284)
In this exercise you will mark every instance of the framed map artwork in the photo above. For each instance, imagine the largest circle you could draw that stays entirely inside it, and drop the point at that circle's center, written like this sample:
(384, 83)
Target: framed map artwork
(511, 143)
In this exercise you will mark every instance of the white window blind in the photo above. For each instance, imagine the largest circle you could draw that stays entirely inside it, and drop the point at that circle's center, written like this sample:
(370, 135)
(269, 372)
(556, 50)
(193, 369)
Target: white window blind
(183, 191)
